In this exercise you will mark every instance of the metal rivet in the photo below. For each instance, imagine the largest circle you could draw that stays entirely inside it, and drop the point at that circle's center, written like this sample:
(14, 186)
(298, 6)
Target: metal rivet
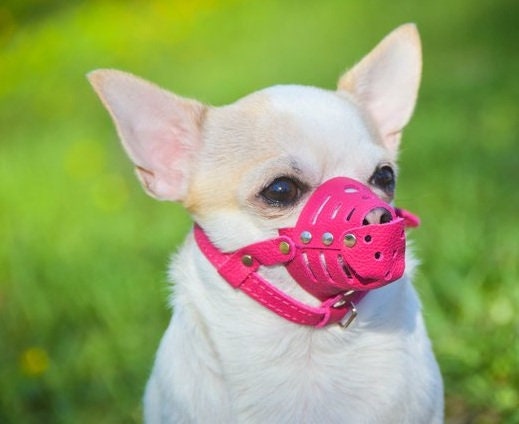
(247, 260)
(284, 247)
(327, 239)
(350, 240)
(306, 237)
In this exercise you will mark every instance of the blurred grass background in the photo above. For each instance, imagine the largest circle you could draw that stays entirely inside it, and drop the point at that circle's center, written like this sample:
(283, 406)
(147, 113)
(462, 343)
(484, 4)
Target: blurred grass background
(83, 251)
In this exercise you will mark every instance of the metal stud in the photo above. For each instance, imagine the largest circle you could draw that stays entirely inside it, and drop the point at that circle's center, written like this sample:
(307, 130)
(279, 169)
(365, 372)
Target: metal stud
(327, 239)
(350, 240)
(306, 237)
(284, 247)
(247, 260)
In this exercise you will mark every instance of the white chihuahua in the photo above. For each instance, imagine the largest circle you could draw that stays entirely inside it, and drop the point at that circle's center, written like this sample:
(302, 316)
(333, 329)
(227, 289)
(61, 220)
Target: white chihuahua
(295, 240)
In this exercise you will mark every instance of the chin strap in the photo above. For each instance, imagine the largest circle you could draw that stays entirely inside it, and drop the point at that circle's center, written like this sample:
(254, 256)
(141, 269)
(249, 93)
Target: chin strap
(240, 268)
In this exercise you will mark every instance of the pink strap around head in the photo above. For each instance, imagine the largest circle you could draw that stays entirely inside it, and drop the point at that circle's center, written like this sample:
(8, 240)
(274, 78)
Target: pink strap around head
(240, 268)
(410, 219)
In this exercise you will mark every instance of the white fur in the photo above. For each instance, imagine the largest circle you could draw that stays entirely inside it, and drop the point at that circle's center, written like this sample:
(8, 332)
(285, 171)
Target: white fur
(224, 358)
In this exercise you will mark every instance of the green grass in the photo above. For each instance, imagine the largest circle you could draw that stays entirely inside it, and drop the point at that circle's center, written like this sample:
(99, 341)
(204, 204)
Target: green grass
(83, 252)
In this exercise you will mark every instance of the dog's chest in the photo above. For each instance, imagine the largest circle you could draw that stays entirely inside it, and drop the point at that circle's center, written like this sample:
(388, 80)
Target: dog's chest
(314, 378)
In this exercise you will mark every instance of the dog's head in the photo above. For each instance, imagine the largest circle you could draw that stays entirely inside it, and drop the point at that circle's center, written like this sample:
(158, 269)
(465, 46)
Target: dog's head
(245, 170)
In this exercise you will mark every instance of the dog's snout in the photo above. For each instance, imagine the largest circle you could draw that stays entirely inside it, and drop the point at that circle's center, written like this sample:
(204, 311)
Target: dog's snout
(377, 216)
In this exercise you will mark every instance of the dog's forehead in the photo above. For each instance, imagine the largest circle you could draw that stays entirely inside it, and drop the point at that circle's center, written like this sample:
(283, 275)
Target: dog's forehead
(276, 114)
(309, 108)
(291, 119)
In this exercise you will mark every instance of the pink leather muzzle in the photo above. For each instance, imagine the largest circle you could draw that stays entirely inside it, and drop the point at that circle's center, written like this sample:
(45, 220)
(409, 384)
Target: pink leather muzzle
(346, 242)
(340, 246)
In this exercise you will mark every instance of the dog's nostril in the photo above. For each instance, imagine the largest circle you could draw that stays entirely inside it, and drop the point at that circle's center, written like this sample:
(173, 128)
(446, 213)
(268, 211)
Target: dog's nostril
(385, 218)
(377, 216)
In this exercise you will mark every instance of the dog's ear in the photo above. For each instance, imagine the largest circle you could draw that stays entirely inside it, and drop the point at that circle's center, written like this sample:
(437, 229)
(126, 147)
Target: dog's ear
(386, 81)
(160, 132)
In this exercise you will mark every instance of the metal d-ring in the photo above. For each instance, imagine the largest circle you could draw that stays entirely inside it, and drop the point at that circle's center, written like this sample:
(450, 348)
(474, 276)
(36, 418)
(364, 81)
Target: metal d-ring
(351, 314)
(347, 320)
(344, 299)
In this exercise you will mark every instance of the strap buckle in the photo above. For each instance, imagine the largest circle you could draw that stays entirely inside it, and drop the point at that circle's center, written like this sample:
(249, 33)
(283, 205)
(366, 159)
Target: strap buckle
(350, 316)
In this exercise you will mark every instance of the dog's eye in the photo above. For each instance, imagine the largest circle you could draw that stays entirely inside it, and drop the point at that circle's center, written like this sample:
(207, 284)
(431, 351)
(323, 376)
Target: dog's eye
(384, 178)
(283, 191)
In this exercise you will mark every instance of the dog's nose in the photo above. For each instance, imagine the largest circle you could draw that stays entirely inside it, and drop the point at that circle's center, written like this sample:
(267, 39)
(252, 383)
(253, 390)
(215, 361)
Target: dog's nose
(377, 216)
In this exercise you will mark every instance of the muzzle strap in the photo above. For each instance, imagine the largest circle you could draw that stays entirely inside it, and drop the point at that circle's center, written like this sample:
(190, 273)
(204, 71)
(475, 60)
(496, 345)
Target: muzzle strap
(240, 268)
(346, 242)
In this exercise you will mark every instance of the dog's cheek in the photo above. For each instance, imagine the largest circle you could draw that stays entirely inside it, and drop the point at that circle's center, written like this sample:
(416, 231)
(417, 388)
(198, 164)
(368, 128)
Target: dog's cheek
(210, 199)
(215, 188)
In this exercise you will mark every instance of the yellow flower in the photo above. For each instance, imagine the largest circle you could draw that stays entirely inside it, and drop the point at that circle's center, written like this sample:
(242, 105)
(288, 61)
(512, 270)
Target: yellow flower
(34, 361)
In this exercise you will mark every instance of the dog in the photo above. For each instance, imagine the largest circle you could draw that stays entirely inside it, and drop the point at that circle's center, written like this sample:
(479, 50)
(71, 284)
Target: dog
(290, 302)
